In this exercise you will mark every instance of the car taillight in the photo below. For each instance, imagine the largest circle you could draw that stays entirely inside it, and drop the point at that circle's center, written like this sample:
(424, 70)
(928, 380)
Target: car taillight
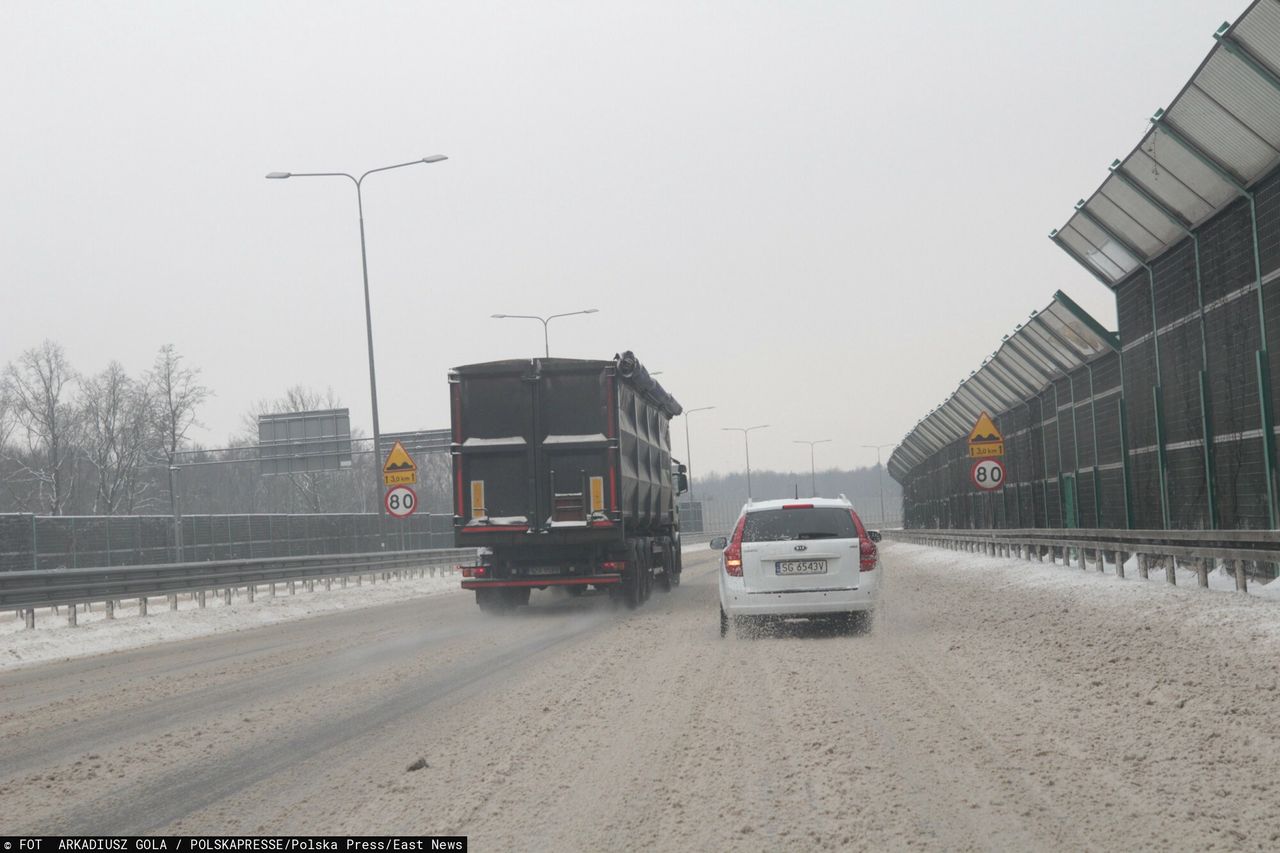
(733, 552)
(867, 554)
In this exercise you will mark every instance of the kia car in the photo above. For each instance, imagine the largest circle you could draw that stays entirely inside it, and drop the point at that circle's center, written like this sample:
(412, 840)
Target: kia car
(791, 559)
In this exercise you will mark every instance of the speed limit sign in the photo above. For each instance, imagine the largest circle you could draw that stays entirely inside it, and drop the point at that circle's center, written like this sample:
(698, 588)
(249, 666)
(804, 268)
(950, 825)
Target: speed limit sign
(401, 502)
(987, 474)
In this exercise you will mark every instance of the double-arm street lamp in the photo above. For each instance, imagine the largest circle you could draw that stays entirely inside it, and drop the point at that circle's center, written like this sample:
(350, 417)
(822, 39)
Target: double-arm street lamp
(688, 452)
(545, 321)
(879, 472)
(364, 268)
(746, 444)
(813, 472)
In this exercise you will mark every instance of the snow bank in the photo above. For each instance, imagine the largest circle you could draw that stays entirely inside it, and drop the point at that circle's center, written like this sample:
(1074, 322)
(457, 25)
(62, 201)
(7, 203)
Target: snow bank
(53, 639)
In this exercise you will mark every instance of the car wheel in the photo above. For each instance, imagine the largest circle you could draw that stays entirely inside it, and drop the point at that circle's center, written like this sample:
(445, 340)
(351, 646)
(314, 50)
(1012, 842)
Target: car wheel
(724, 623)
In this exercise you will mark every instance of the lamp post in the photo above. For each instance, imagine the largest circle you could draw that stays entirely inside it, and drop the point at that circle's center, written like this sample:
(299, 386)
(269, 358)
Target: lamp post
(545, 321)
(746, 444)
(813, 471)
(364, 268)
(688, 452)
(879, 473)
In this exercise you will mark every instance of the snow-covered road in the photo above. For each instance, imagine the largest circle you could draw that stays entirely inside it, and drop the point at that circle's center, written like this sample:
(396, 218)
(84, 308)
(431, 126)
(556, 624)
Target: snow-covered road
(995, 705)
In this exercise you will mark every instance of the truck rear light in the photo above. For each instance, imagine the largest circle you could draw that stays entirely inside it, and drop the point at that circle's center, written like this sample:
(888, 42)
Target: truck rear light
(868, 555)
(613, 566)
(733, 552)
(472, 571)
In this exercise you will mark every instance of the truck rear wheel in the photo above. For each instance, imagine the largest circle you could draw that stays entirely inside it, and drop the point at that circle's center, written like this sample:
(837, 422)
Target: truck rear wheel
(633, 579)
(668, 579)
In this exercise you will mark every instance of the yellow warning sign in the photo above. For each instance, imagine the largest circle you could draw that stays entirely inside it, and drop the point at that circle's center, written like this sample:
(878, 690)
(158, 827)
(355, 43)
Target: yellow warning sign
(985, 439)
(399, 469)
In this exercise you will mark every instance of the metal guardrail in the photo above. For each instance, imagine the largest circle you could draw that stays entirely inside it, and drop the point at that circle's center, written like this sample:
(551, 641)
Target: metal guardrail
(1235, 548)
(24, 591)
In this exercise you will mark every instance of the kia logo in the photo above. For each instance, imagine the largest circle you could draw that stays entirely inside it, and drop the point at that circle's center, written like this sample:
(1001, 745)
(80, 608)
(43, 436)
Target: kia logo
(802, 547)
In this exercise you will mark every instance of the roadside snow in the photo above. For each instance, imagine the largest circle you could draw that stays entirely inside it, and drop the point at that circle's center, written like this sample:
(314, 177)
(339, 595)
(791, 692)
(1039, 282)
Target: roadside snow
(1254, 614)
(53, 639)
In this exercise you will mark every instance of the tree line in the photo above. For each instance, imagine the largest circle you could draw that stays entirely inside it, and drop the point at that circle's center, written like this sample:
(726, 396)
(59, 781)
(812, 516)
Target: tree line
(111, 443)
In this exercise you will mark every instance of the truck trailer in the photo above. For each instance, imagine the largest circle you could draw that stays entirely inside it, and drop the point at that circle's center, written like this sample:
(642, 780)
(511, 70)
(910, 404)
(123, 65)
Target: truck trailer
(563, 477)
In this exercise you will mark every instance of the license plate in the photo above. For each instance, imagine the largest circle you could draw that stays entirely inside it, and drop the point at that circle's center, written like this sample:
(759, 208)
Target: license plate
(543, 570)
(801, 567)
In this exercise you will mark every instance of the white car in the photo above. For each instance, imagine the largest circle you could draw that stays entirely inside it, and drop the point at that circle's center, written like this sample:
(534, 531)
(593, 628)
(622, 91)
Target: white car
(810, 558)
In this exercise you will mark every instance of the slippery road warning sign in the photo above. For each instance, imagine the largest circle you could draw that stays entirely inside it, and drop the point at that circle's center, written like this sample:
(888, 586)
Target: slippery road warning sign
(399, 469)
(984, 439)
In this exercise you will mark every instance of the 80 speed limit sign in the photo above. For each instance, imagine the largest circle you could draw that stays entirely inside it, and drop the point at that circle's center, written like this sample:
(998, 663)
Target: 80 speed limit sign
(987, 474)
(401, 502)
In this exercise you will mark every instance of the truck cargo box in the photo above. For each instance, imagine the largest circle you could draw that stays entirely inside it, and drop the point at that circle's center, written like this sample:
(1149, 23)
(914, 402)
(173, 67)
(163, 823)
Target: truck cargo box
(558, 450)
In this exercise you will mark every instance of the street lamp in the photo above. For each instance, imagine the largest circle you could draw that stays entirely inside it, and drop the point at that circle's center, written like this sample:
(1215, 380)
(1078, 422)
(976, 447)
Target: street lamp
(545, 321)
(746, 444)
(364, 268)
(688, 453)
(813, 473)
(879, 473)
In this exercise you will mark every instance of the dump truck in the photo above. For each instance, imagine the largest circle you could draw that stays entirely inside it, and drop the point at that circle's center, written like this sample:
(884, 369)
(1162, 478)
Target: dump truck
(563, 477)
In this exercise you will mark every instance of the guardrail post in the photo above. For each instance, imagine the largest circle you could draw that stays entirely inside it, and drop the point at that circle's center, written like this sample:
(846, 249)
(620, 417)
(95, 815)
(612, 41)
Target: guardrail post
(273, 590)
(1080, 549)
(200, 599)
(1242, 583)
(109, 612)
(71, 615)
(250, 591)
(1120, 558)
(142, 606)
(173, 601)
(29, 618)
(328, 584)
(359, 580)
(1202, 574)
(1171, 570)
(292, 590)
(344, 581)
(1099, 561)
(1142, 566)
(226, 596)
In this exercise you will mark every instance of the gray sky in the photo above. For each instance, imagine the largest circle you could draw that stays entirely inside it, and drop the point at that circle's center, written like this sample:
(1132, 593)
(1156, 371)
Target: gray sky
(818, 215)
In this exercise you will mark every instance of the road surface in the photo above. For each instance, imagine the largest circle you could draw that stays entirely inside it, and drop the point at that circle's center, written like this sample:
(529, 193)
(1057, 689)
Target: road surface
(974, 715)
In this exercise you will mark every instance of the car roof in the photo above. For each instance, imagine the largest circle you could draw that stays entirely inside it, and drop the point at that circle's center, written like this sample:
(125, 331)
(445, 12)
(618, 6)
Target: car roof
(757, 506)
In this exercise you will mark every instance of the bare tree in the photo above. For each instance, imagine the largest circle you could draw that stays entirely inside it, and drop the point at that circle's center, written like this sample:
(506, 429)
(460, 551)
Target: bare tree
(118, 418)
(177, 393)
(38, 389)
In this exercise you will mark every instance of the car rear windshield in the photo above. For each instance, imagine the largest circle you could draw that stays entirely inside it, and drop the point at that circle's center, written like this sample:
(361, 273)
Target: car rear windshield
(771, 525)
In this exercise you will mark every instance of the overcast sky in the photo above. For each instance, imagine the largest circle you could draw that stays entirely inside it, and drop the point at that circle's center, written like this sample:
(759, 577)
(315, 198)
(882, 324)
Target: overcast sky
(816, 215)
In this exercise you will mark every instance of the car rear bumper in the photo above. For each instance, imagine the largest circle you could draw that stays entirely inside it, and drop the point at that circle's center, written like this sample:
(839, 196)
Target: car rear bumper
(738, 601)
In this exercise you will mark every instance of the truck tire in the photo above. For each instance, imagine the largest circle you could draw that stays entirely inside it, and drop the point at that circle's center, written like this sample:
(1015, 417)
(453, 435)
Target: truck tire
(668, 578)
(646, 574)
(517, 596)
(489, 600)
(633, 579)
